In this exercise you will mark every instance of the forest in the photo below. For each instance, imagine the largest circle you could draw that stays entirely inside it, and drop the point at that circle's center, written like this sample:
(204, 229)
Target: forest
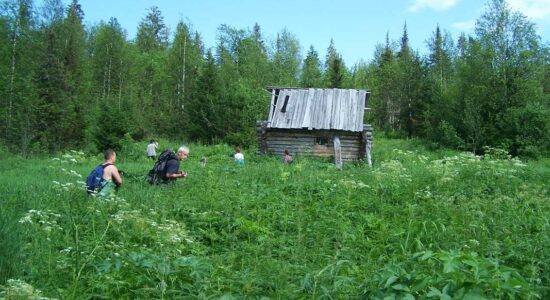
(455, 205)
(65, 86)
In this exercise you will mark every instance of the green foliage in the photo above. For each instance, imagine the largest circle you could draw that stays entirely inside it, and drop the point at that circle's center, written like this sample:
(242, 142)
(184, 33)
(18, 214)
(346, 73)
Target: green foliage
(311, 75)
(112, 127)
(286, 60)
(447, 135)
(450, 275)
(419, 224)
(489, 90)
(11, 247)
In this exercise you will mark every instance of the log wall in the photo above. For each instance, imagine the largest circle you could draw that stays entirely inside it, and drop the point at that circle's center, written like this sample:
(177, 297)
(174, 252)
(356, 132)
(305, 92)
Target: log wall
(303, 142)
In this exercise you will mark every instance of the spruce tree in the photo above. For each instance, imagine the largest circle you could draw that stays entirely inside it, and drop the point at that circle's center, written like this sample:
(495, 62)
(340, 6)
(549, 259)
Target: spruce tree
(311, 75)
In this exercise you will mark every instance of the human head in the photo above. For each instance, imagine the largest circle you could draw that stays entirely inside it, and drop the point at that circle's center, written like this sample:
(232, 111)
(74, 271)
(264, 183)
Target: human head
(109, 154)
(286, 152)
(152, 141)
(237, 149)
(183, 153)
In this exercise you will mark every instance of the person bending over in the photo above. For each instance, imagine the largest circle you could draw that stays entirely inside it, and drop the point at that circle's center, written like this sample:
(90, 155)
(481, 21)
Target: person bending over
(173, 165)
(111, 176)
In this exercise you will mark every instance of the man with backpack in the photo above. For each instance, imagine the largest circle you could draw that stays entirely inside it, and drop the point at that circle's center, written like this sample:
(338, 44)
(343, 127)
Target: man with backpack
(167, 167)
(105, 178)
(173, 166)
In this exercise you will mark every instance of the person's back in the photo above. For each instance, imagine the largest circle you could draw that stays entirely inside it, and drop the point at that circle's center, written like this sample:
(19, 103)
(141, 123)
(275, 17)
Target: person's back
(239, 157)
(287, 159)
(111, 176)
(152, 150)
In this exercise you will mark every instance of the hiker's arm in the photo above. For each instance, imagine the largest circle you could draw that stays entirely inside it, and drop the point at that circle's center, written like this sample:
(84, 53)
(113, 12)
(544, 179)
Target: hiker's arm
(117, 179)
(176, 175)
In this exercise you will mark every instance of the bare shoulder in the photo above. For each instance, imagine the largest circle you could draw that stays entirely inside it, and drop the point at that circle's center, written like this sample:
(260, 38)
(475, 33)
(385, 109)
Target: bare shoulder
(110, 169)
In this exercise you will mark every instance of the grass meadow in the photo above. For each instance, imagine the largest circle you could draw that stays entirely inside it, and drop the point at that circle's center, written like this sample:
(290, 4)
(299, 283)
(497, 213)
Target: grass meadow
(418, 225)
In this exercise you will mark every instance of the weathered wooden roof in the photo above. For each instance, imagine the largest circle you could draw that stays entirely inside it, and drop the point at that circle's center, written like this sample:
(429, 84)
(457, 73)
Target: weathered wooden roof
(314, 108)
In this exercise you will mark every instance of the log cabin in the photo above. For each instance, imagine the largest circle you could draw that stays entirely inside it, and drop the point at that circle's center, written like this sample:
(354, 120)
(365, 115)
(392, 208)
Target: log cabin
(319, 122)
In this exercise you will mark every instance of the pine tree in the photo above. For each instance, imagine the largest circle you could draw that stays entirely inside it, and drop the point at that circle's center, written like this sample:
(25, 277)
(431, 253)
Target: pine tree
(311, 75)
(74, 37)
(151, 76)
(19, 47)
(152, 33)
(185, 59)
(438, 105)
(54, 109)
(335, 73)
(409, 86)
(204, 111)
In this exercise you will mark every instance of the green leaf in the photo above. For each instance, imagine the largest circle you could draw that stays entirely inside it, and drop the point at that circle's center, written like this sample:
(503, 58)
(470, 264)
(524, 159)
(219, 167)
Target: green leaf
(473, 296)
(450, 265)
(407, 296)
(434, 292)
(427, 254)
(421, 285)
(391, 280)
(400, 287)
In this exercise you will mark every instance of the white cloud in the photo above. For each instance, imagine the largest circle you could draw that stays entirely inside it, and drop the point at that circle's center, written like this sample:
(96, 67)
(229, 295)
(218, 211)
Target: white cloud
(465, 26)
(534, 9)
(439, 5)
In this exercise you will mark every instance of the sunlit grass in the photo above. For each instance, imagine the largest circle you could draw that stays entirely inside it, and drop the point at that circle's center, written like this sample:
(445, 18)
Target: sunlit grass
(410, 226)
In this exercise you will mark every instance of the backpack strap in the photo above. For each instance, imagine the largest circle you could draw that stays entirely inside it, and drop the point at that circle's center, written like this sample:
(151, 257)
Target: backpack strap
(106, 165)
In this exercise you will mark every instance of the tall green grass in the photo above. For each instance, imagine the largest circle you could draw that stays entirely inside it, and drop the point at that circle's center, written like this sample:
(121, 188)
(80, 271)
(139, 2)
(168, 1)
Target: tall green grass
(419, 224)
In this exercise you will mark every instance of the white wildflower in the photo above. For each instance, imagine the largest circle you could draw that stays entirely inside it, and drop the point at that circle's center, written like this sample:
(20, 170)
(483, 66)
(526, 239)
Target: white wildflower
(26, 219)
(66, 250)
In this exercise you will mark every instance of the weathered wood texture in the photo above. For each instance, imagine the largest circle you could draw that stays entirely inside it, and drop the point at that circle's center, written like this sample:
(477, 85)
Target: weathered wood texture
(330, 109)
(337, 152)
(304, 142)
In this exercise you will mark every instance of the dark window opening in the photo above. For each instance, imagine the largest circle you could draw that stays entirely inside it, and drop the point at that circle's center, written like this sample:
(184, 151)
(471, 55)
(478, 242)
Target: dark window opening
(321, 141)
(275, 100)
(283, 110)
(276, 97)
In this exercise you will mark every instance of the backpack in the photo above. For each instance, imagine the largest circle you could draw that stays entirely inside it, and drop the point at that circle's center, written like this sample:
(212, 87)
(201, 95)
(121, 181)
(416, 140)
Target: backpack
(93, 181)
(158, 172)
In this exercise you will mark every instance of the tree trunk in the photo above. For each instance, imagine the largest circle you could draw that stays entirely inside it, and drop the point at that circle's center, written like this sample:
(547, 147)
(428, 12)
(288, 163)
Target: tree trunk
(12, 78)
(183, 71)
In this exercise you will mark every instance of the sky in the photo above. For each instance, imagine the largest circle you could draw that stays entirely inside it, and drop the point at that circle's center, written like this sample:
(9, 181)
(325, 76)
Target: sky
(356, 26)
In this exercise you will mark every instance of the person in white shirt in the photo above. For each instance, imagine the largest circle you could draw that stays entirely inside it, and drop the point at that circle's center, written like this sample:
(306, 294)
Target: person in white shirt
(152, 150)
(239, 157)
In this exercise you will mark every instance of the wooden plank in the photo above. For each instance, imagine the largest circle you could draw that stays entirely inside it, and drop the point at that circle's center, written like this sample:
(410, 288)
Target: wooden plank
(343, 111)
(322, 110)
(347, 112)
(357, 113)
(290, 144)
(338, 111)
(344, 139)
(334, 115)
(327, 109)
(298, 115)
(273, 123)
(360, 109)
(287, 115)
(306, 122)
(313, 107)
(271, 106)
(337, 153)
(318, 101)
